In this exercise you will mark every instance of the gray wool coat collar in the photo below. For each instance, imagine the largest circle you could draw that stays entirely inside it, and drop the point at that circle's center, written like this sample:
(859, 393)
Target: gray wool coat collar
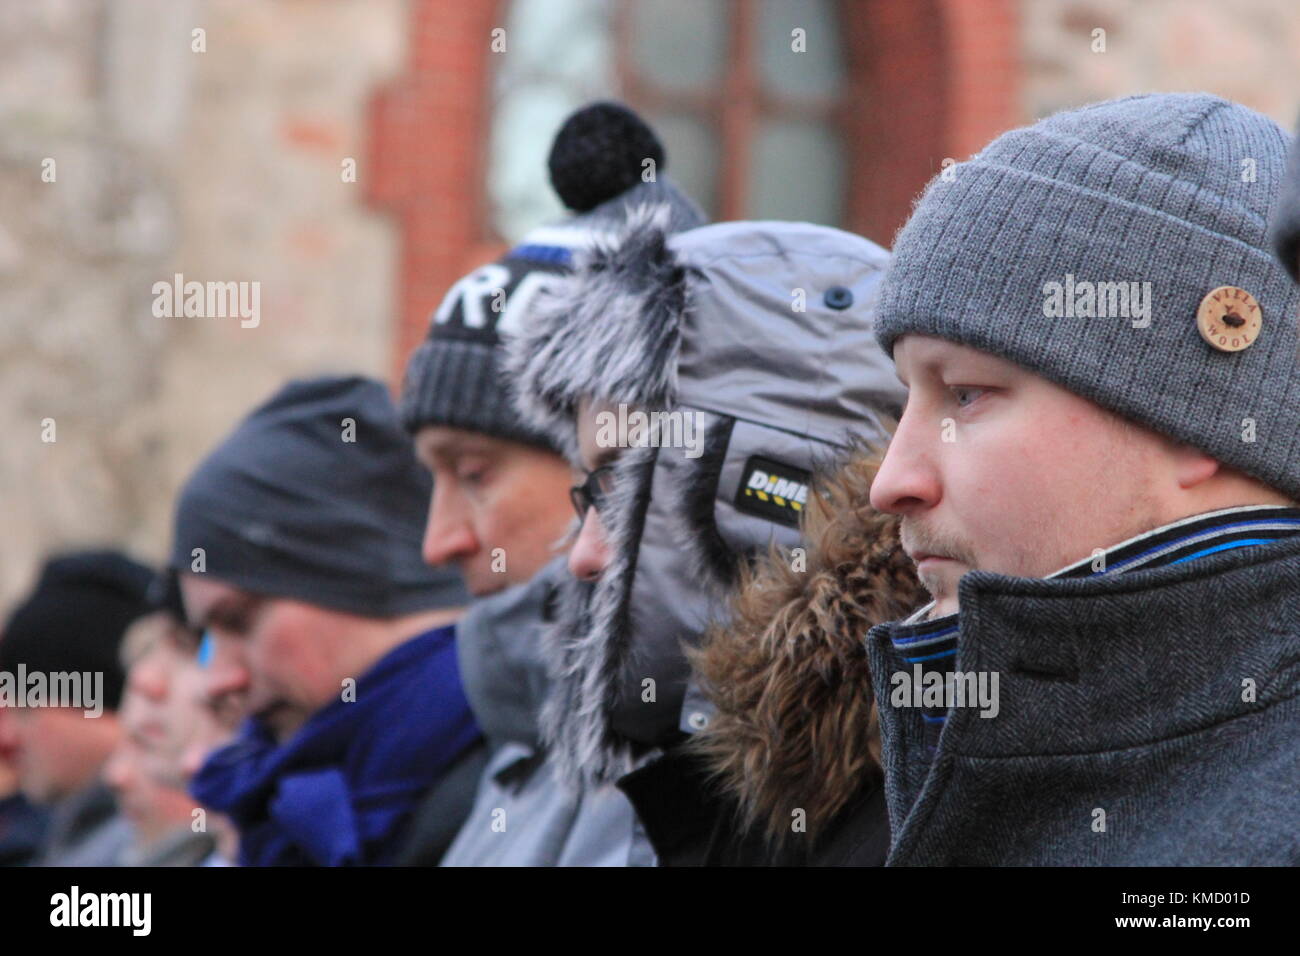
(1145, 719)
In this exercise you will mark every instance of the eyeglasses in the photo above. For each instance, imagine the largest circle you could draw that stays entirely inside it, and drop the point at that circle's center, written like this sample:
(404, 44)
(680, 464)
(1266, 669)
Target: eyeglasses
(592, 492)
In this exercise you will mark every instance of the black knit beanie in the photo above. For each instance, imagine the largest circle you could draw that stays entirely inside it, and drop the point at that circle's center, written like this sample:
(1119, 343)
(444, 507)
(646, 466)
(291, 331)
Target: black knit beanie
(75, 618)
(598, 168)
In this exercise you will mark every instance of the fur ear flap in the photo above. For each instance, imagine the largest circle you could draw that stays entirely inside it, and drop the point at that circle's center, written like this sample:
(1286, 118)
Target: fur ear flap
(588, 644)
(610, 332)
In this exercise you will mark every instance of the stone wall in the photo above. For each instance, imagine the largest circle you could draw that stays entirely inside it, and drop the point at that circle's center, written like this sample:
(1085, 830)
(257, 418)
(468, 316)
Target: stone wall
(222, 165)
(1245, 50)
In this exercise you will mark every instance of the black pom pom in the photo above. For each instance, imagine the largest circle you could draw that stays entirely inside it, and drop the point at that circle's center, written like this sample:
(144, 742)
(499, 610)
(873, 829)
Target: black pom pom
(599, 153)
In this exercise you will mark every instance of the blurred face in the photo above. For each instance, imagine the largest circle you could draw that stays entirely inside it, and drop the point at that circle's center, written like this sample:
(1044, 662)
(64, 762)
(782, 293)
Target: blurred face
(499, 508)
(142, 774)
(995, 468)
(276, 659)
(160, 716)
(55, 751)
(590, 553)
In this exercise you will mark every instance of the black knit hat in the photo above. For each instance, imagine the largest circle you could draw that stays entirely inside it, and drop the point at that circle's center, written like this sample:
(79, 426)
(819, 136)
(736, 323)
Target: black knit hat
(598, 168)
(75, 618)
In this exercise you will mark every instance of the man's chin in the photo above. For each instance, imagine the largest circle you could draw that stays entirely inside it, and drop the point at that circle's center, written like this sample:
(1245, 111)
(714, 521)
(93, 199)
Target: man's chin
(281, 720)
(37, 793)
(942, 586)
(485, 583)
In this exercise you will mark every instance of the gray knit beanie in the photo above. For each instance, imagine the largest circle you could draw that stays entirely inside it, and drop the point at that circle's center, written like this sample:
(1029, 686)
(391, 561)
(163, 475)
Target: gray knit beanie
(1094, 247)
(598, 165)
(1286, 220)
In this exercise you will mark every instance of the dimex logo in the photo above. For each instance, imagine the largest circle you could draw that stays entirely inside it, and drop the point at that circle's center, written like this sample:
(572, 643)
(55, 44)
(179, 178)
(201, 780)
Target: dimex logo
(772, 490)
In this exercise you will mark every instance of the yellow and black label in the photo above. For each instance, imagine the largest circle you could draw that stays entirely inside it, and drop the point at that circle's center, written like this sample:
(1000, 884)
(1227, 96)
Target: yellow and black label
(772, 490)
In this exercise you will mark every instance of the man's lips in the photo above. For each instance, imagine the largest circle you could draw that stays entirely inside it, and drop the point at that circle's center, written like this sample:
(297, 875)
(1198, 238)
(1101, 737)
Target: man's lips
(922, 557)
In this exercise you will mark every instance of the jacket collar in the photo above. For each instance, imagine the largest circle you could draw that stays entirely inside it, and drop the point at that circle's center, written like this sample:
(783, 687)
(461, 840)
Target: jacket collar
(1185, 540)
(1105, 662)
(929, 645)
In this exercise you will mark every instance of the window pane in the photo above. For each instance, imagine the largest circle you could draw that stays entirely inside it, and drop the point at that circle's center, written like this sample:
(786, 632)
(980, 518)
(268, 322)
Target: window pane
(692, 148)
(522, 129)
(558, 56)
(568, 39)
(815, 73)
(679, 44)
(797, 172)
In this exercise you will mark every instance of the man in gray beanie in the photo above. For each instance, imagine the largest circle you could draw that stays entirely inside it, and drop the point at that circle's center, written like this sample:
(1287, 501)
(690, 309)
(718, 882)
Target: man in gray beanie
(1097, 474)
(299, 558)
(501, 510)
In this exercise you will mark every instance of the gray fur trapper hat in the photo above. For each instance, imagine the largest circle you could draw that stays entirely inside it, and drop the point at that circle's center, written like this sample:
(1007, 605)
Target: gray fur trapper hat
(760, 336)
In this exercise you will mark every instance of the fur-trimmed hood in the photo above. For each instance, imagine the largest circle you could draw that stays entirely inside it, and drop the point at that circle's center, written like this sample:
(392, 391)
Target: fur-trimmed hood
(757, 337)
(795, 724)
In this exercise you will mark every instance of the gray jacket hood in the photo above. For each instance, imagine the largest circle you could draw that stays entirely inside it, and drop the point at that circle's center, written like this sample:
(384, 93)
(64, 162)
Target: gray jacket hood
(758, 337)
(499, 650)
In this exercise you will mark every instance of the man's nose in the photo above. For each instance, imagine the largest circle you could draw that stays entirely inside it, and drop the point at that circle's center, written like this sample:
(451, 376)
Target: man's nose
(908, 481)
(148, 678)
(448, 533)
(590, 552)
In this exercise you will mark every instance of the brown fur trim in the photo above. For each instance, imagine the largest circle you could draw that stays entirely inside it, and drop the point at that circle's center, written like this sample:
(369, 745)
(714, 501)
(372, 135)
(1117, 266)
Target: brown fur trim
(796, 726)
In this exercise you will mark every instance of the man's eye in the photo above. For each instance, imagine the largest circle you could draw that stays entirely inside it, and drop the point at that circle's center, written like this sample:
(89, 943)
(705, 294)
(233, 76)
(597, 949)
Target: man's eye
(965, 394)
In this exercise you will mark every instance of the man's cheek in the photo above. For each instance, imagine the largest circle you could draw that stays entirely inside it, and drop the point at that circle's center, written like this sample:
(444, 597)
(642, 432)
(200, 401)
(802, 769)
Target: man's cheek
(497, 518)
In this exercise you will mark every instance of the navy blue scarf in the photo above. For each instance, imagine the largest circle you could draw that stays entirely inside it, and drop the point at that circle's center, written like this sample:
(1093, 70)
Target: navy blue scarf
(340, 791)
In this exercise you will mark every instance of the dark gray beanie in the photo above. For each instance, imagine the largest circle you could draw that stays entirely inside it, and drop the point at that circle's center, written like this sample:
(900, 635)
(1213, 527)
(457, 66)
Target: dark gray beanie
(317, 495)
(1142, 206)
(1286, 221)
(455, 377)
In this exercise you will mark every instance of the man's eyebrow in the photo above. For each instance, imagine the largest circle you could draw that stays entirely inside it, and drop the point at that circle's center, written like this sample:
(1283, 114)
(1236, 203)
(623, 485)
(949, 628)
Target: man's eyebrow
(454, 446)
(224, 608)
